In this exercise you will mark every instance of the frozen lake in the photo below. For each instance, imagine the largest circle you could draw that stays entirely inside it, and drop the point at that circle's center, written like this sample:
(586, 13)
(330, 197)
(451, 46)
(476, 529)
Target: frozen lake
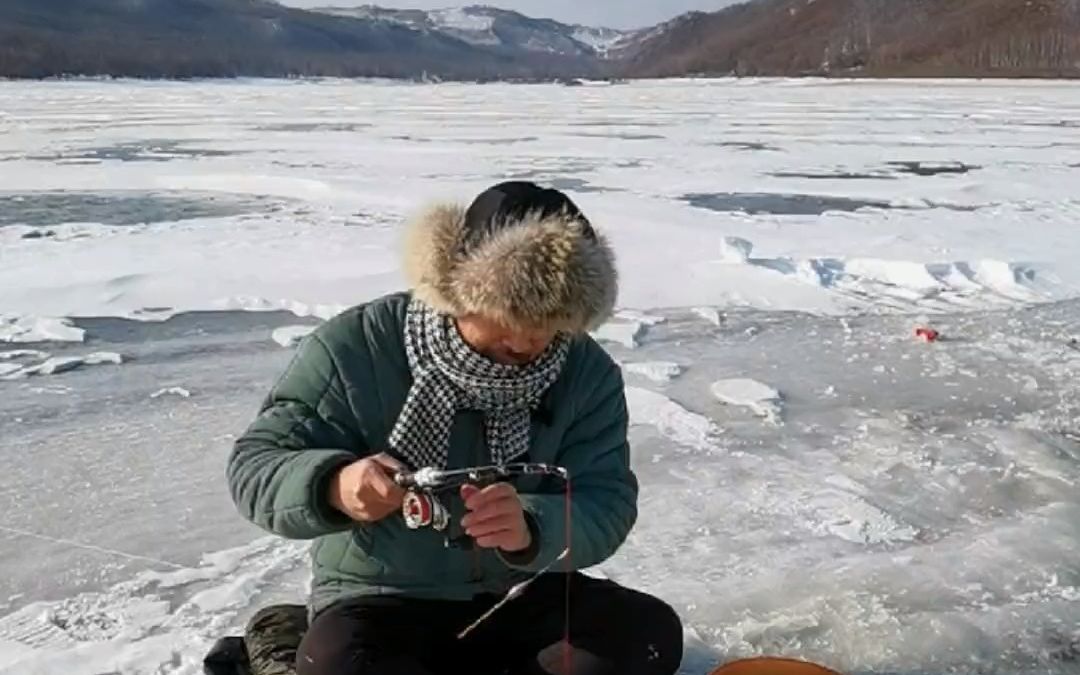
(816, 481)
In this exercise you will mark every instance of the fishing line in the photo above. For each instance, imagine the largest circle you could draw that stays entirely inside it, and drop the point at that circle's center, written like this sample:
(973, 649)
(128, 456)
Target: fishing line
(90, 547)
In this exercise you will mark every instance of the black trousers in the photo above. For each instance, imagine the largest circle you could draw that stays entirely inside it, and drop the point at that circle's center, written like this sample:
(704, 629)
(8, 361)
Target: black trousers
(613, 629)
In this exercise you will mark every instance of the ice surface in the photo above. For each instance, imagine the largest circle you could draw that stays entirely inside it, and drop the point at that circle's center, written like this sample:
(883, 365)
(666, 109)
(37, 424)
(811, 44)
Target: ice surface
(916, 513)
(319, 214)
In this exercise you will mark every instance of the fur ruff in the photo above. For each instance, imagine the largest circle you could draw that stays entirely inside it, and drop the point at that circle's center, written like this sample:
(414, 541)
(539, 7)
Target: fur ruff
(542, 272)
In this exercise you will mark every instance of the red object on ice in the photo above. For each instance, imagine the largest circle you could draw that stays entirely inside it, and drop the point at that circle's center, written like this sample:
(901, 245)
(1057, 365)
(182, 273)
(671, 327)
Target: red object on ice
(928, 334)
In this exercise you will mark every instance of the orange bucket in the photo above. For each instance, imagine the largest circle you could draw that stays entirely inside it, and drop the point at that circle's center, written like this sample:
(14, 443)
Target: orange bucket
(765, 665)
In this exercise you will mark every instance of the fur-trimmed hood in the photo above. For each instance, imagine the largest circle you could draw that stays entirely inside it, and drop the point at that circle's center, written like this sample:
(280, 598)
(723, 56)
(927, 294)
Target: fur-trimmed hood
(552, 271)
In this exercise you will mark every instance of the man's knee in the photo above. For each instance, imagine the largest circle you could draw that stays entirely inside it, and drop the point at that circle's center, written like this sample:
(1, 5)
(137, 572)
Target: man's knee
(649, 630)
(329, 647)
(662, 631)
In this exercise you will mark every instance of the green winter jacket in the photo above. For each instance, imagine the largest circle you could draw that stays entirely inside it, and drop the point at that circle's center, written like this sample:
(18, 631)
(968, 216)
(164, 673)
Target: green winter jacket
(338, 400)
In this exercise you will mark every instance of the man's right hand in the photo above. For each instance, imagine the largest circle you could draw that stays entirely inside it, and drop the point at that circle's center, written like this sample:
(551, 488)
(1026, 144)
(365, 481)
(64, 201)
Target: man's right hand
(365, 490)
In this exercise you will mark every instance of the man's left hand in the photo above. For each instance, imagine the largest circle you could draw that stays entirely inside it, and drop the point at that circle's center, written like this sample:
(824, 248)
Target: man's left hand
(495, 518)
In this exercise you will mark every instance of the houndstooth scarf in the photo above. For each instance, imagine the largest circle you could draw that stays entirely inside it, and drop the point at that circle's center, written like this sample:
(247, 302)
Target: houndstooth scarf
(448, 375)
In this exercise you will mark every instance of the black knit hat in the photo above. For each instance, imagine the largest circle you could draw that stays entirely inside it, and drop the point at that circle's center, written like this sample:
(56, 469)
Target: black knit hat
(514, 202)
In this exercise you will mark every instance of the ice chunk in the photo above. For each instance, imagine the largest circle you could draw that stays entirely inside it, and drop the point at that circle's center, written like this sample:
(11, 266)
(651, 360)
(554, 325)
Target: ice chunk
(626, 334)
(710, 314)
(98, 358)
(290, 336)
(657, 371)
(686, 428)
(23, 354)
(56, 365)
(18, 328)
(760, 398)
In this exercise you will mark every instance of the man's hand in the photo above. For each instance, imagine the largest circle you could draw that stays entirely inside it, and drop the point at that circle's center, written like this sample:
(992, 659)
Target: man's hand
(365, 490)
(495, 518)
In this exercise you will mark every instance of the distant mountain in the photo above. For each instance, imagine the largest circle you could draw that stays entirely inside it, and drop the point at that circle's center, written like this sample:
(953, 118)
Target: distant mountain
(866, 37)
(226, 38)
(214, 38)
(495, 28)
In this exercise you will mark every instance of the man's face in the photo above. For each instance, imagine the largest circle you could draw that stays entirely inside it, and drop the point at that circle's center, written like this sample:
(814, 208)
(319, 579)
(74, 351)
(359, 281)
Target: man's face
(509, 346)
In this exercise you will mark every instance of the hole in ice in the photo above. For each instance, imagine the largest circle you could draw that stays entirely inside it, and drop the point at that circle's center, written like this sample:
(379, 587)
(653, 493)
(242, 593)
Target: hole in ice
(119, 207)
(778, 204)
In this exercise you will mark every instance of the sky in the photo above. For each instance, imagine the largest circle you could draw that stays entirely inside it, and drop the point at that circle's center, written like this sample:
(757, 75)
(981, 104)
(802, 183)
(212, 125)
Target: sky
(610, 13)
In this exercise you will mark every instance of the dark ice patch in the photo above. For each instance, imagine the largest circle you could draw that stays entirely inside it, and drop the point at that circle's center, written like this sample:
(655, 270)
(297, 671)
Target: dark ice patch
(120, 207)
(933, 168)
(494, 141)
(304, 127)
(133, 151)
(626, 136)
(757, 203)
(837, 175)
(568, 184)
(752, 146)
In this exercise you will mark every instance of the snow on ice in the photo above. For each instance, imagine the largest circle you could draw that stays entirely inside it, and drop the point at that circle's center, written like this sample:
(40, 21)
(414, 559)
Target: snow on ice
(778, 242)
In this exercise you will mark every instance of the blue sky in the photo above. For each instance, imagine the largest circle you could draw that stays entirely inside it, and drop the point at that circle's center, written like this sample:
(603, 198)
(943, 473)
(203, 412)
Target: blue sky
(611, 13)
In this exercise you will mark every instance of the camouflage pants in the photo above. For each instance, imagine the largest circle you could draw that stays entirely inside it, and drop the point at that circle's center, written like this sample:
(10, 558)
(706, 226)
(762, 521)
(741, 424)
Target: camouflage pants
(268, 647)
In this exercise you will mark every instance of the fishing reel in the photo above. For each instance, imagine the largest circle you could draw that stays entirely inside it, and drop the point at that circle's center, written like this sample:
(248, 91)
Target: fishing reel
(422, 507)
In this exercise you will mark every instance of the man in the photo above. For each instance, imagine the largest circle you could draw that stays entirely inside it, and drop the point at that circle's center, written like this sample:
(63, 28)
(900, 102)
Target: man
(486, 360)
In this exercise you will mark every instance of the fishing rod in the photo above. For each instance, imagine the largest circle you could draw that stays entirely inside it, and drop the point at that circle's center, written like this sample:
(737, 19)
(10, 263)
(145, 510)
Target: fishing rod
(422, 508)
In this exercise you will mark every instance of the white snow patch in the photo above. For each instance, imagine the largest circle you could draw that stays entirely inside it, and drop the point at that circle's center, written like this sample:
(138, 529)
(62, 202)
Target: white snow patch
(624, 333)
(461, 18)
(171, 391)
(599, 39)
(21, 328)
(290, 336)
(657, 371)
(686, 428)
(760, 398)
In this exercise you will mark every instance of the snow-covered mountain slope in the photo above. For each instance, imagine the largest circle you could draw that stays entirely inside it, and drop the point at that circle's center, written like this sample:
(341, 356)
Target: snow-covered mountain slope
(492, 27)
